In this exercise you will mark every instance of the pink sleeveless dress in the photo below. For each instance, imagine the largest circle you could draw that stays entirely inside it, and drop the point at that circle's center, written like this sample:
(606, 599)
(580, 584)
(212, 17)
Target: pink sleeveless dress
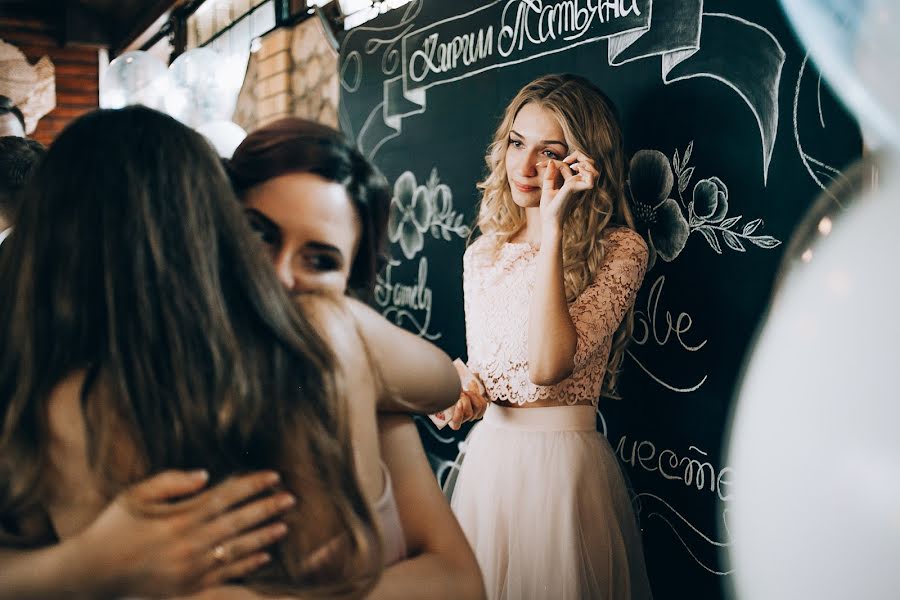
(387, 517)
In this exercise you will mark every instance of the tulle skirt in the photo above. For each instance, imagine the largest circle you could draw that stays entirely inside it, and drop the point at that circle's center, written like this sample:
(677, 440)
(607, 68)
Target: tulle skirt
(544, 505)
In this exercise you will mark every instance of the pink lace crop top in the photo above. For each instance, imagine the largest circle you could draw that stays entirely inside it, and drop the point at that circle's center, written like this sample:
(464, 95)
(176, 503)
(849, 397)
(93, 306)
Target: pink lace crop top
(497, 287)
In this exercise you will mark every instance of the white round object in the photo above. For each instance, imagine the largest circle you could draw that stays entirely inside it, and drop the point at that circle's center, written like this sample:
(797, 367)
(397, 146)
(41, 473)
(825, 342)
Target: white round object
(203, 89)
(135, 78)
(224, 135)
(814, 441)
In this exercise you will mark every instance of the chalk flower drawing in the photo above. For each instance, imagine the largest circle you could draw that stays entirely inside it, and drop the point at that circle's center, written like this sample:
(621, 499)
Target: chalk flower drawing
(418, 209)
(710, 200)
(409, 215)
(660, 218)
(657, 215)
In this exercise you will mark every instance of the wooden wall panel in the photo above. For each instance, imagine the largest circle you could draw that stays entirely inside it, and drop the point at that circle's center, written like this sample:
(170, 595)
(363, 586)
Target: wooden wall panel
(77, 70)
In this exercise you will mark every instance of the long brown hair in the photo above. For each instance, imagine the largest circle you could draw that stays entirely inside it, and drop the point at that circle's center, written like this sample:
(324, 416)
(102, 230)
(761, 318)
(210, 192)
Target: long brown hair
(590, 123)
(132, 260)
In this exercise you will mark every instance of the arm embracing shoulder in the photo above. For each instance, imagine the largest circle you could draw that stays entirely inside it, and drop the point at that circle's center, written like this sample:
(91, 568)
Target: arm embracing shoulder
(417, 375)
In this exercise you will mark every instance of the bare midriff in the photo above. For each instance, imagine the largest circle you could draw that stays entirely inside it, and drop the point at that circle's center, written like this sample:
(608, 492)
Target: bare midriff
(541, 403)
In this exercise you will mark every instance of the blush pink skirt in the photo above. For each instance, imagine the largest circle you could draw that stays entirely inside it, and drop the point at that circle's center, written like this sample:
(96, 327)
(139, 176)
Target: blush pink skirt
(543, 503)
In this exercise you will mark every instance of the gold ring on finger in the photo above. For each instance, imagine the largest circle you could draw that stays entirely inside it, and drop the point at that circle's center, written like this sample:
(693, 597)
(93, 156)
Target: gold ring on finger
(220, 554)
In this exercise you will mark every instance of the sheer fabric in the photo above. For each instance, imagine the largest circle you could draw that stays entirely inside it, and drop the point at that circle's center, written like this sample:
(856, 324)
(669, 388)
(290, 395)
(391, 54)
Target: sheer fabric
(538, 491)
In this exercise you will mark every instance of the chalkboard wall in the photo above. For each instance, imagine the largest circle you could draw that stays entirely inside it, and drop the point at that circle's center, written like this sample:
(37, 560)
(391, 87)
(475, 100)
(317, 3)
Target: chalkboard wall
(719, 93)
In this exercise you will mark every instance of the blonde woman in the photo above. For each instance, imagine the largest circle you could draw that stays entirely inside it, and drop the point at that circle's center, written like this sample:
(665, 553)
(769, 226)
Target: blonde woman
(549, 292)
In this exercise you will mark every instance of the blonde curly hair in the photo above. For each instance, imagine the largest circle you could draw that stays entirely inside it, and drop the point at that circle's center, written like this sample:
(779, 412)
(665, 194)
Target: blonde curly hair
(590, 124)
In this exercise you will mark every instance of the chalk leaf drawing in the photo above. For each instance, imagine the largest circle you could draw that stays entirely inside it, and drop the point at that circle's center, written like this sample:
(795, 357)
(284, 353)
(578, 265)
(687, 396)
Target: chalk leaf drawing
(667, 223)
(420, 209)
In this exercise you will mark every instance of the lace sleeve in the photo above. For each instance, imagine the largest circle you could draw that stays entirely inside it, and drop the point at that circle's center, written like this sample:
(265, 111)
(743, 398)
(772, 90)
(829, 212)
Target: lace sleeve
(599, 309)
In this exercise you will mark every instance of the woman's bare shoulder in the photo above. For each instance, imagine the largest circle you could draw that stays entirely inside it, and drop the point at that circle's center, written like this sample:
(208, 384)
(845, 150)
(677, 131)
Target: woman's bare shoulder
(339, 320)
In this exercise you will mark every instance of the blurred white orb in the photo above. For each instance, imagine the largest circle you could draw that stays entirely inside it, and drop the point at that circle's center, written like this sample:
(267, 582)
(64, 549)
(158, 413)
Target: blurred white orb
(856, 46)
(135, 78)
(814, 441)
(203, 88)
(224, 135)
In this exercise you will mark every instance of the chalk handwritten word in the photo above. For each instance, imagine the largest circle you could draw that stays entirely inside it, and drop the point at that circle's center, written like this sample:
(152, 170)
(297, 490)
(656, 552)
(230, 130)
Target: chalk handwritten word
(649, 326)
(541, 24)
(537, 21)
(410, 303)
(439, 57)
(690, 470)
(649, 323)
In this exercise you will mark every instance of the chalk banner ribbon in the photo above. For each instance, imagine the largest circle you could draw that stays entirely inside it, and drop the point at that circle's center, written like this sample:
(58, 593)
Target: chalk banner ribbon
(690, 43)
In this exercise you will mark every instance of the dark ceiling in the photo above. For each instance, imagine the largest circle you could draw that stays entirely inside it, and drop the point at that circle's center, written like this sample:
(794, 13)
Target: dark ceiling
(113, 24)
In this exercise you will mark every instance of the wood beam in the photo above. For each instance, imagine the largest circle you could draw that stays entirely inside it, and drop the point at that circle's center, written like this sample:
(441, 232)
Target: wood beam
(144, 25)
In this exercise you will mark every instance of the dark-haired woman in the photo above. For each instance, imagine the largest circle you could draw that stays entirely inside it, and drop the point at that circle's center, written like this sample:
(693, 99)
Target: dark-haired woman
(144, 331)
(321, 210)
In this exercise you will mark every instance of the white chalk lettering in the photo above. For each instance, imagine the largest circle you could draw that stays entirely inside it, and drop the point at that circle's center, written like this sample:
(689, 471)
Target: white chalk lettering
(692, 471)
(536, 21)
(437, 56)
(648, 322)
(406, 302)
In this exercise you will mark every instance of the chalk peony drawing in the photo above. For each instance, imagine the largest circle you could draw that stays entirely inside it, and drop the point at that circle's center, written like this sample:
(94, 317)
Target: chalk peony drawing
(667, 223)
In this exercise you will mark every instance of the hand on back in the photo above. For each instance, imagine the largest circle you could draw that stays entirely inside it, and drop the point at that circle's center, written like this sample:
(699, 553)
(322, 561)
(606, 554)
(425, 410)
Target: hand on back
(165, 536)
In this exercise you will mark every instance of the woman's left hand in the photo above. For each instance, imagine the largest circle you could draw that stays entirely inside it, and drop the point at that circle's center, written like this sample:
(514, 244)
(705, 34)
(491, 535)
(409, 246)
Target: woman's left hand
(165, 535)
(471, 405)
(562, 178)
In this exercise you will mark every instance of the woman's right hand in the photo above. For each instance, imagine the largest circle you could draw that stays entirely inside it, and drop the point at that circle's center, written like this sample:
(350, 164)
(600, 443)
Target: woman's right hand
(165, 536)
(560, 183)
